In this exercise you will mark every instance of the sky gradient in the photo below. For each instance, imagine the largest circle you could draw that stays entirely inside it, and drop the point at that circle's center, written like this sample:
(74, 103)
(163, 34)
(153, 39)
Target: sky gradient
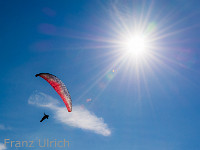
(120, 102)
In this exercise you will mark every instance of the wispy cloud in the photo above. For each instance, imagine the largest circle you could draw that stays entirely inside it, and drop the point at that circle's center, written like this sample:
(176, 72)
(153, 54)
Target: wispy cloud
(2, 146)
(79, 117)
(3, 127)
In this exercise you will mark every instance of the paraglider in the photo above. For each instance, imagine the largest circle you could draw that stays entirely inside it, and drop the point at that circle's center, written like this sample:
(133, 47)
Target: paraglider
(44, 117)
(59, 87)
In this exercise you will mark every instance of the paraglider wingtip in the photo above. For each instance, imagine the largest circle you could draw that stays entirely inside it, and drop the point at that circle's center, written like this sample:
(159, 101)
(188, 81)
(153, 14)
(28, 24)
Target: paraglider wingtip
(37, 75)
(42, 74)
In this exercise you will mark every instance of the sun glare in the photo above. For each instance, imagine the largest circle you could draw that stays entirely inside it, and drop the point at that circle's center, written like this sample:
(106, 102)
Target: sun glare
(136, 45)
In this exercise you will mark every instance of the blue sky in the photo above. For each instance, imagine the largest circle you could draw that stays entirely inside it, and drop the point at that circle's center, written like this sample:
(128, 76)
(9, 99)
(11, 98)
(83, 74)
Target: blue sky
(143, 102)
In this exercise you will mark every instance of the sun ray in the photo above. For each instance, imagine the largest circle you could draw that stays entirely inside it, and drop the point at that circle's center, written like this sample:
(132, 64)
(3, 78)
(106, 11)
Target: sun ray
(137, 43)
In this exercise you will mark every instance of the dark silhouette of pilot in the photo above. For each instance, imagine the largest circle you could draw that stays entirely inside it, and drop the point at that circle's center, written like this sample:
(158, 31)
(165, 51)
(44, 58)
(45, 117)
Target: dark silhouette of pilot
(44, 117)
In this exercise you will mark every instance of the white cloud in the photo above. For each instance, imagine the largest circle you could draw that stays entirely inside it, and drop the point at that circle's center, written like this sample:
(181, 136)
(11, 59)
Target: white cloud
(79, 117)
(3, 127)
(2, 146)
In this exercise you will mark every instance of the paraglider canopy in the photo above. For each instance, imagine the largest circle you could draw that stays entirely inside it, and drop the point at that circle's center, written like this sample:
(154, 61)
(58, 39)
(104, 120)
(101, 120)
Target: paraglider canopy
(59, 87)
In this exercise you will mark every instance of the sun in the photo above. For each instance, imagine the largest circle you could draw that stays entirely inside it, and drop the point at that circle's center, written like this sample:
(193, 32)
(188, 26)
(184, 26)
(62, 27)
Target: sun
(136, 45)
